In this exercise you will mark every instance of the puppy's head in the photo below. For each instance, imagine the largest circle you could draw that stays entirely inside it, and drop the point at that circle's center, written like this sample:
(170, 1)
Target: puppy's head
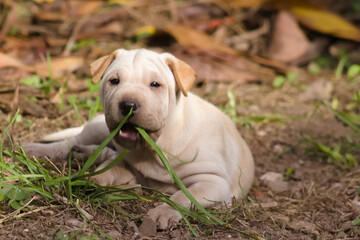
(145, 81)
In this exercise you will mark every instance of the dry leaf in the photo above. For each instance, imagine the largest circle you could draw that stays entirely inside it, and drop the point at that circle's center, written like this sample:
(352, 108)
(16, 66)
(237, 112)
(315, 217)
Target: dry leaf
(217, 71)
(288, 43)
(59, 66)
(309, 14)
(246, 3)
(324, 21)
(188, 37)
(9, 61)
(86, 7)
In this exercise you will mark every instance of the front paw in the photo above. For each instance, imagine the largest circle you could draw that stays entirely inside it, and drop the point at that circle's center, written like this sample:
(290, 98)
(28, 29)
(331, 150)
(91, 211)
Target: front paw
(103, 179)
(80, 153)
(164, 216)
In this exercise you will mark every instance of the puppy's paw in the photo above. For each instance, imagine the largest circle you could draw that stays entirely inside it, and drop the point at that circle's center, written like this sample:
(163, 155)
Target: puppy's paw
(164, 216)
(80, 152)
(103, 179)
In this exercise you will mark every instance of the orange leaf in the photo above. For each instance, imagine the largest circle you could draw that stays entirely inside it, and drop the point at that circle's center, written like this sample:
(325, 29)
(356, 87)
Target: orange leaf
(258, 193)
(188, 37)
(246, 3)
(309, 14)
(9, 61)
(59, 66)
(325, 21)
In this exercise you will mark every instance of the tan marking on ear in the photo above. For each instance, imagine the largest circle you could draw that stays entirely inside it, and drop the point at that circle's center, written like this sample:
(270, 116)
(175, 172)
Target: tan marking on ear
(184, 74)
(99, 66)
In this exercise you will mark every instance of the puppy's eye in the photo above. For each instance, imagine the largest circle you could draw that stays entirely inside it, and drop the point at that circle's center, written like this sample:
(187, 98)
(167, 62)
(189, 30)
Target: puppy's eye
(115, 81)
(154, 84)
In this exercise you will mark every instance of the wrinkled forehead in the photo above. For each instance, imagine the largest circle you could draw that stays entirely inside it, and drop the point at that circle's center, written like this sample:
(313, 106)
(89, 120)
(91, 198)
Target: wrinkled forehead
(136, 62)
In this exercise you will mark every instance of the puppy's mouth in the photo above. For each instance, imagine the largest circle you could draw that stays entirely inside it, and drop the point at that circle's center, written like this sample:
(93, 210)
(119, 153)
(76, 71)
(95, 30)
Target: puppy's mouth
(129, 132)
(129, 137)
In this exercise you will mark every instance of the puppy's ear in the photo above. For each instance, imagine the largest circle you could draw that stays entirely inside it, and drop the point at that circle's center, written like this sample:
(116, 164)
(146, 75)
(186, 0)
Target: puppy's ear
(99, 66)
(184, 74)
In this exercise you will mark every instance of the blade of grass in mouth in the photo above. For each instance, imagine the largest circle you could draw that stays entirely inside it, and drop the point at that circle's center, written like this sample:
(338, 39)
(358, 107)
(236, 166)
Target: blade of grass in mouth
(101, 147)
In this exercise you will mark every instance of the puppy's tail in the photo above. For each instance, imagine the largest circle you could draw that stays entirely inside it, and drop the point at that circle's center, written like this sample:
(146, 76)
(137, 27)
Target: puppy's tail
(63, 134)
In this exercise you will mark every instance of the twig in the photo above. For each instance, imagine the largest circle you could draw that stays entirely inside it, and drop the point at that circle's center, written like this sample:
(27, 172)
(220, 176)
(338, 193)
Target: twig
(12, 215)
(74, 34)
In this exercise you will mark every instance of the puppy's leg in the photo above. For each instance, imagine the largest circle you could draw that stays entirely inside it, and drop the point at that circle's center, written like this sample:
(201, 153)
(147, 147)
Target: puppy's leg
(81, 153)
(120, 175)
(207, 189)
(94, 133)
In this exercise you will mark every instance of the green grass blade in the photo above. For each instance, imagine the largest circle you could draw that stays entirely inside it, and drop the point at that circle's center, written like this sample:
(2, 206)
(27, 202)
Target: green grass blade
(343, 117)
(114, 163)
(175, 178)
(101, 147)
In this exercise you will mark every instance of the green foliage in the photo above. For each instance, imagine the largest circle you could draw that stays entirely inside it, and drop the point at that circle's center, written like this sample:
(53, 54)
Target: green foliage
(334, 154)
(279, 81)
(249, 121)
(14, 195)
(44, 84)
(314, 68)
(290, 77)
(94, 105)
(81, 44)
(289, 173)
(341, 65)
(356, 221)
(232, 104)
(353, 71)
(341, 154)
(351, 119)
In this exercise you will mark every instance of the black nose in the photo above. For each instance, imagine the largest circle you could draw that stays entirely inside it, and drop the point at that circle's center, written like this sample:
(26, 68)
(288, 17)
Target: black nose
(125, 107)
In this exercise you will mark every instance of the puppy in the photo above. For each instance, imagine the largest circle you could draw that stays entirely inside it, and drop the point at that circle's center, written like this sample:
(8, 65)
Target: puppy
(219, 164)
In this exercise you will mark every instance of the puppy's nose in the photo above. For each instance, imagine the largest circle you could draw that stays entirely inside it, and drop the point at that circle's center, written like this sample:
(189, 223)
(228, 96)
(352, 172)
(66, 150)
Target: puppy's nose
(125, 107)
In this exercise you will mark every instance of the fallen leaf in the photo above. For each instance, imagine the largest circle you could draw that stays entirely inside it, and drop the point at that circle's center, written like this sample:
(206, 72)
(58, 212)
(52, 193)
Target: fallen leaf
(246, 3)
(9, 61)
(86, 7)
(111, 28)
(303, 226)
(309, 14)
(288, 43)
(50, 16)
(216, 71)
(258, 193)
(324, 21)
(59, 66)
(188, 37)
(269, 204)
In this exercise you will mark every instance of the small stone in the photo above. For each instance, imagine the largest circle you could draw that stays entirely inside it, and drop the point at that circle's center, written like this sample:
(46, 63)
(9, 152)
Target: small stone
(278, 149)
(318, 90)
(147, 227)
(275, 181)
(73, 222)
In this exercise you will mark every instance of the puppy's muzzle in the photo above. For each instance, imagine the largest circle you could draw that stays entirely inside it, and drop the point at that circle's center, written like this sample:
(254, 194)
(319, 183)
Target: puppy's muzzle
(127, 105)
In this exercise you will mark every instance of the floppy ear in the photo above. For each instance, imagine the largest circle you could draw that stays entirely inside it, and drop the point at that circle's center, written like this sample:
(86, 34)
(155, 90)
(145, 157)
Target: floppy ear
(99, 66)
(184, 74)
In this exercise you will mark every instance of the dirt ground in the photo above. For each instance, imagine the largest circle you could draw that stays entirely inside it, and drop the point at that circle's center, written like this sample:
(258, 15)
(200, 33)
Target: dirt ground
(320, 201)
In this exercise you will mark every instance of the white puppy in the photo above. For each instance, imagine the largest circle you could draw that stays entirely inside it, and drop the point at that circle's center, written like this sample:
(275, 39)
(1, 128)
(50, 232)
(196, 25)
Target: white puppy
(156, 87)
